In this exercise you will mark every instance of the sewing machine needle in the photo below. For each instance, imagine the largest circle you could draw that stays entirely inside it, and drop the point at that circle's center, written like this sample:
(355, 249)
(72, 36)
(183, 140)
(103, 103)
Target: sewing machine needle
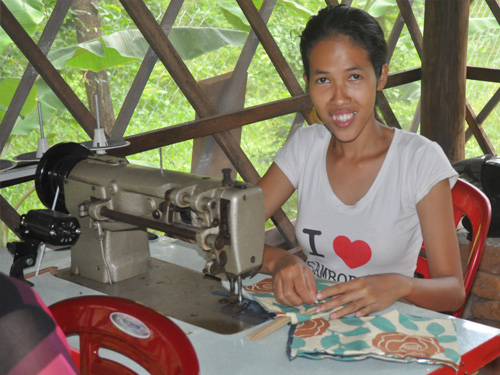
(240, 291)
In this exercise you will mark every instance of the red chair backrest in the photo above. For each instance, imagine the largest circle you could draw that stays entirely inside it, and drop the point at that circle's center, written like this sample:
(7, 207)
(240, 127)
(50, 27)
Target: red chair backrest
(471, 202)
(150, 339)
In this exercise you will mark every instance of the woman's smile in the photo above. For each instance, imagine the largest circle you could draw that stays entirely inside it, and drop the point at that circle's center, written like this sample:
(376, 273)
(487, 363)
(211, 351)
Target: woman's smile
(343, 119)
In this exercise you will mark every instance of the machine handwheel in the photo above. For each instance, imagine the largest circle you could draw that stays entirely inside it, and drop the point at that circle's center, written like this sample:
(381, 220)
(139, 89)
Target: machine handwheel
(54, 166)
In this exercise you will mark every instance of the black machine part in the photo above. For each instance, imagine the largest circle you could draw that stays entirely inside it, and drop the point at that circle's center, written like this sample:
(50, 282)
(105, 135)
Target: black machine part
(484, 173)
(37, 226)
(54, 166)
(51, 227)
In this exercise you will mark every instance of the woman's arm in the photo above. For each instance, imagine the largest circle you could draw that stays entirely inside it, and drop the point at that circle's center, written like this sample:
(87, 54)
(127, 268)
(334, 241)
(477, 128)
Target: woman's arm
(443, 292)
(277, 189)
(293, 281)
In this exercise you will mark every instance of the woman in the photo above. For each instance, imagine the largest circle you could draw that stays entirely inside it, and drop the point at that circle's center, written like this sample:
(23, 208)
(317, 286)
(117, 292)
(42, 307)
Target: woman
(367, 194)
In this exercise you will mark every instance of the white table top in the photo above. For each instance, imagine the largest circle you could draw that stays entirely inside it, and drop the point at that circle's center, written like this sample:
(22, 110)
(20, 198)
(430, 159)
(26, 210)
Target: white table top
(235, 354)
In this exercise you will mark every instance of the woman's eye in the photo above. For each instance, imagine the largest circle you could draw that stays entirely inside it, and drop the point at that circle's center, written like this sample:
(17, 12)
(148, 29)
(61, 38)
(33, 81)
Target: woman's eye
(355, 77)
(322, 80)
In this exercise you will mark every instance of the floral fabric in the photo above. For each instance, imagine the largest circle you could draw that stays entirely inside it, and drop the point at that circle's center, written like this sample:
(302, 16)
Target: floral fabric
(392, 336)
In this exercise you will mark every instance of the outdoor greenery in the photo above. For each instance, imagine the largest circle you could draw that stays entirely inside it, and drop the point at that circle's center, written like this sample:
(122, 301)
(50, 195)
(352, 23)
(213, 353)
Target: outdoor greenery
(209, 36)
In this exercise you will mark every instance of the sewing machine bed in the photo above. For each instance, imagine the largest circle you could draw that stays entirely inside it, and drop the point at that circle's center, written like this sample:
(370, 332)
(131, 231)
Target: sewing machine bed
(178, 292)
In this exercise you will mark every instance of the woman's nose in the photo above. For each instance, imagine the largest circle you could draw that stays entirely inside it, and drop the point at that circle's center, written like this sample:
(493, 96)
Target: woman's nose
(339, 95)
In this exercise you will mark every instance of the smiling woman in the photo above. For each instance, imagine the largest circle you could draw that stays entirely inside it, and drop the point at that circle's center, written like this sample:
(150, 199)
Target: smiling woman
(368, 195)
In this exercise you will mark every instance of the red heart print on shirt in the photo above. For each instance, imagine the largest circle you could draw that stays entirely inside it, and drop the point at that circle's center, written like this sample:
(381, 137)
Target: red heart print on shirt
(354, 254)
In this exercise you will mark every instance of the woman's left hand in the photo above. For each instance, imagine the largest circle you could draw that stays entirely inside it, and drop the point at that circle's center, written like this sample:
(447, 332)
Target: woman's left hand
(364, 295)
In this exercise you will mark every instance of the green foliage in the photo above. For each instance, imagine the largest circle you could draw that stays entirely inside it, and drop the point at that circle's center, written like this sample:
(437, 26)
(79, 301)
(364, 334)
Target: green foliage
(8, 87)
(124, 47)
(29, 13)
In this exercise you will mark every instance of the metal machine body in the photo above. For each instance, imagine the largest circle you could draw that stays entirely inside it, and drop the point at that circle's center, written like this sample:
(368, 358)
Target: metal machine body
(115, 202)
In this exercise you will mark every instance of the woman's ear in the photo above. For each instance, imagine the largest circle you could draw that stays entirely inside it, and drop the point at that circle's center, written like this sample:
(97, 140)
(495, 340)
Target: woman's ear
(306, 81)
(382, 80)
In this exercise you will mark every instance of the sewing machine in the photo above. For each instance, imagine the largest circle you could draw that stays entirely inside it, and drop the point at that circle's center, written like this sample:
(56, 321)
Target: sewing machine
(115, 202)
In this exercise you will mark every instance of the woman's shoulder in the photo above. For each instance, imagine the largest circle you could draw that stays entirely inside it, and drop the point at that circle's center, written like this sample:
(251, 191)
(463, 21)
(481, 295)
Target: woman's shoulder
(305, 141)
(412, 142)
(312, 132)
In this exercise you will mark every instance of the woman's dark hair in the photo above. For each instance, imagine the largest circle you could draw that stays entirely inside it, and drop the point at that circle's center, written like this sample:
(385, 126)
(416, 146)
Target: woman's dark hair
(341, 20)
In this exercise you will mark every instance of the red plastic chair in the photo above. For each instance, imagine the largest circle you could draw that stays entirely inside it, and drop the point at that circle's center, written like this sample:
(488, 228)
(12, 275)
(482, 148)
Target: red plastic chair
(471, 202)
(150, 339)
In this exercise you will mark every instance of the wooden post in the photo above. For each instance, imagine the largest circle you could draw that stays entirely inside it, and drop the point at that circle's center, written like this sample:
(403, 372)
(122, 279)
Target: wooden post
(444, 65)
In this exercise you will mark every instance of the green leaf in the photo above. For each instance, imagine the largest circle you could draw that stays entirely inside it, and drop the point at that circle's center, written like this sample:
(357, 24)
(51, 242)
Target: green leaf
(298, 343)
(303, 12)
(383, 324)
(357, 332)
(126, 46)
(451, 354)
(377, 8)
(356, 345)
(435, 329)
(232, 12)
(353, 321)
(8, 87)
(191, 42)
(407, 323)
(47, 97)
(29, 13)
(330, 341)
(477, 25)
(447, 338)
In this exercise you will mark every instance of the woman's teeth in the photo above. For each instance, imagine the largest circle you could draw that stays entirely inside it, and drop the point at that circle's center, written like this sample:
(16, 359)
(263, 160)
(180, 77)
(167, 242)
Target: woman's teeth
(343, 117)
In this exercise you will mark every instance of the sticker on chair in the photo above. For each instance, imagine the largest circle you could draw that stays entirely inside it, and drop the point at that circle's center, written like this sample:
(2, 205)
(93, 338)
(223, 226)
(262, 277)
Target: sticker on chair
(130, 325)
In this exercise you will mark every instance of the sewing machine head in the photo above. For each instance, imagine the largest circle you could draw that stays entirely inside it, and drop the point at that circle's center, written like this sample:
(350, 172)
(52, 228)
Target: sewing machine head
(115, 202)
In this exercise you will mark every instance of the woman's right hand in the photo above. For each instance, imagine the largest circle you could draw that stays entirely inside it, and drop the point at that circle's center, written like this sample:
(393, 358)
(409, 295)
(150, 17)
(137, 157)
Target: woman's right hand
(293, 281)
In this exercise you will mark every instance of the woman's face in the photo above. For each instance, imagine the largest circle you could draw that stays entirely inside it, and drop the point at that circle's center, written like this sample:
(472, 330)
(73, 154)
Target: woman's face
(343, 86)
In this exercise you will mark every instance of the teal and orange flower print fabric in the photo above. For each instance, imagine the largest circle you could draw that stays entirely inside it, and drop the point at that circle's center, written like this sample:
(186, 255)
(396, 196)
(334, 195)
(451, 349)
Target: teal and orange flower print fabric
(391, 336)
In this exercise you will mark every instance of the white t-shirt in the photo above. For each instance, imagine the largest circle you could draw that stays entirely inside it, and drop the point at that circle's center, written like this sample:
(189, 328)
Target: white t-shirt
(381, 232)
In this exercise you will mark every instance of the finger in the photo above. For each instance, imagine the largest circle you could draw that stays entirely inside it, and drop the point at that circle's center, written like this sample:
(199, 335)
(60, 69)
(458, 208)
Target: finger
(278, 292)
(311, 286)
(284, 293)
(333, 291)
(295, 292)
(350, 308)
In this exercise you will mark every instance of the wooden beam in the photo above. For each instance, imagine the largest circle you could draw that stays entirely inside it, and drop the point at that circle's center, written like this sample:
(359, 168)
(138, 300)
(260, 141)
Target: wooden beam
(166, 52)
(480, 73)
(206, 126)
(478, 131)
(29, 76)
(272, 50)
(240, 71)
(397, 28)
(46, 70)
(403, 77)
(411, 23)
(495, 8)
(485, 112)
(386, 110)
(141, 79)
(444, 75)
(489, 107)
(9, 216)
